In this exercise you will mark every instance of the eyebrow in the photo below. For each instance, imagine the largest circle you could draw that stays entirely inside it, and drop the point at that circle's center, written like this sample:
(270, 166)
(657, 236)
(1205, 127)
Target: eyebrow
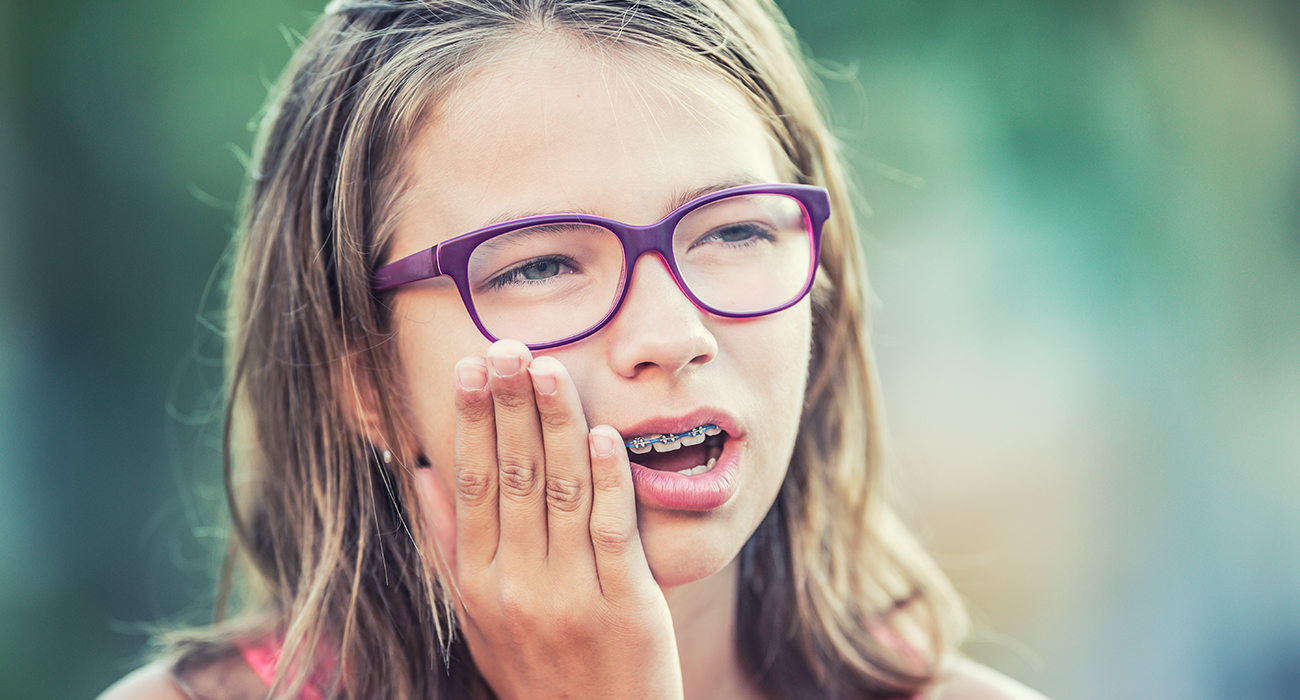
(738, 180)
(512, 238)
(677, 199)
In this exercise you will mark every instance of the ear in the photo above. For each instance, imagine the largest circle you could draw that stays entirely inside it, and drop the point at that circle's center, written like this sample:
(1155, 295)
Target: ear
(361, 402)
(435, 503)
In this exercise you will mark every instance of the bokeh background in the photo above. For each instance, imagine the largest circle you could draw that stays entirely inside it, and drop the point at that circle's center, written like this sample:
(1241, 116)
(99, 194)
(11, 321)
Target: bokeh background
(1085, 241)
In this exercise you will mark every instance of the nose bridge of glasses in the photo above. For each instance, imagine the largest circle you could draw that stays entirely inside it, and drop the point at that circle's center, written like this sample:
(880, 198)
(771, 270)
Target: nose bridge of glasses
(656, 238)
(639, 240)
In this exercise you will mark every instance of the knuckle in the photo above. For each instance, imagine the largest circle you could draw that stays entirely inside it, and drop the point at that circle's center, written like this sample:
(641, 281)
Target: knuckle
(606, 481)
(516, 606)
(611, 537)
(512, 400)
(473, 487)
(630, 624)
(518, 476)
(570, 627)
(474, 409)
(564, 494)
(555, 420)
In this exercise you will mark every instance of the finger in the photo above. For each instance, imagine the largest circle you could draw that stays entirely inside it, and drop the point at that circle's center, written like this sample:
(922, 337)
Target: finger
(477, 525)
(568, 467)
(521, 465)
(621, 565)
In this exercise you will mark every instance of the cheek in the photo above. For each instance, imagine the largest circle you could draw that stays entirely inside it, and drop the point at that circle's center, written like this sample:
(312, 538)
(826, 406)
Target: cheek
(776, 354)
(433, 332)
(433, 419)
(779, 372)
(437, 511)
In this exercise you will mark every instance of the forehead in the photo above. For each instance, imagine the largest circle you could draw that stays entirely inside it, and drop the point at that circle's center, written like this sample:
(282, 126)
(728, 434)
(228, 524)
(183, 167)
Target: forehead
(546, 125)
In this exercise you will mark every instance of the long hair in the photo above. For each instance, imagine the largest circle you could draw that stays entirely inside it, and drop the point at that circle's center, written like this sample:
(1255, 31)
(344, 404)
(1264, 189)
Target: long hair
(835, 599)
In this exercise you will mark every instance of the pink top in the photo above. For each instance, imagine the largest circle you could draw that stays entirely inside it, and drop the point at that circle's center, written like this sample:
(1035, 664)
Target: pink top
(264, 656)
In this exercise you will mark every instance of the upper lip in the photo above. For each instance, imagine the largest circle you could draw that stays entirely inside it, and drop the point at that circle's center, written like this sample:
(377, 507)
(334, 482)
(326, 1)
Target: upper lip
(670, 425)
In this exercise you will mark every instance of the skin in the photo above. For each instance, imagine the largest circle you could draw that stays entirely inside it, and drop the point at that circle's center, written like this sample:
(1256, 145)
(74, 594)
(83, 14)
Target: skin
(570, 583)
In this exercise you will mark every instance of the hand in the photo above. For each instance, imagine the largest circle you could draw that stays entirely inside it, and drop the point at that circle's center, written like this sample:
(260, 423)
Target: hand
(556, 595)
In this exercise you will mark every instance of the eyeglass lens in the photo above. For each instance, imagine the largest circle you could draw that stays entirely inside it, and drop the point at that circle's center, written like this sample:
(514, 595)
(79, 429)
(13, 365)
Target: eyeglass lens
(743, 254)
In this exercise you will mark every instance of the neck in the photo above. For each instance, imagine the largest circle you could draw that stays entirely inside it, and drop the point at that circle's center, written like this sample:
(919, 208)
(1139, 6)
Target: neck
(704, 620)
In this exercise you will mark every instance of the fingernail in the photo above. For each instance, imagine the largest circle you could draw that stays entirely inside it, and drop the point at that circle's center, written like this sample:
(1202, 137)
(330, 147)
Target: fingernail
(471, 376)
(543, 382)
(602, 444)
(505, 365)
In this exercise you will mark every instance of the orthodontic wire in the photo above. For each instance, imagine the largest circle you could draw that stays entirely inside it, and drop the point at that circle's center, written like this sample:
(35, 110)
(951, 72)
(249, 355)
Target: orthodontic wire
(639, 442)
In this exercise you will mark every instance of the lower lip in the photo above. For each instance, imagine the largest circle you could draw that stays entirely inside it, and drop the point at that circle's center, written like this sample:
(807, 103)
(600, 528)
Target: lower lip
(705, 491)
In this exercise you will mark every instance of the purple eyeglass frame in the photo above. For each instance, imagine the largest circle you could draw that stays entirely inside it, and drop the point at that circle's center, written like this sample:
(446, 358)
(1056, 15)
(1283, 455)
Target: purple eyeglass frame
(451, 257)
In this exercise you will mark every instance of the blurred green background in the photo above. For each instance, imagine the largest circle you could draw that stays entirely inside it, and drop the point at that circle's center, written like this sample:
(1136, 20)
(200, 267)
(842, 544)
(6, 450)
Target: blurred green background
(1085, 240)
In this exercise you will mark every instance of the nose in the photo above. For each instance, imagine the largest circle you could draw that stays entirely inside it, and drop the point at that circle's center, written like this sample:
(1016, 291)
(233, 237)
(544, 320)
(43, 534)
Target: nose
(658, 328)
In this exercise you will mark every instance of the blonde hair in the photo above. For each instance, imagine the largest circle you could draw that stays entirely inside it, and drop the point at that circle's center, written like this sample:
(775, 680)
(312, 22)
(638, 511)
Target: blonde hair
(835, 598)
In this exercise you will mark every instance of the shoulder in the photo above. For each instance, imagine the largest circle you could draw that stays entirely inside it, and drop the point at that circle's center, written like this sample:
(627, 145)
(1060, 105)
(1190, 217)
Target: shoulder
(153, 682)
(224, 677)
(964, 679)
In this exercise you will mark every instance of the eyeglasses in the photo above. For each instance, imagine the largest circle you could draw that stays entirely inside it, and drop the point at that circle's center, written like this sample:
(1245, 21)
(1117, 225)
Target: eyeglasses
(555, 279)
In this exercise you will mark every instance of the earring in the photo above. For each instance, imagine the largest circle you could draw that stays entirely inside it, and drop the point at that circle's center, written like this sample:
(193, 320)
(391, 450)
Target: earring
(388, 457)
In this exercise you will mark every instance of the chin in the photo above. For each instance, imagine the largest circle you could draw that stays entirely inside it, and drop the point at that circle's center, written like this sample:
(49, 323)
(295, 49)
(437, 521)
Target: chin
(683, 549)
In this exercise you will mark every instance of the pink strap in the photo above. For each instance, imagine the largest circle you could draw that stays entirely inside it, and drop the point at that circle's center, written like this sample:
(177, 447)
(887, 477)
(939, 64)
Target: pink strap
(264, 656)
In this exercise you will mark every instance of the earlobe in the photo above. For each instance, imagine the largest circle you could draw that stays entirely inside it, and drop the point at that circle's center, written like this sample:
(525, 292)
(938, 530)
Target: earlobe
(364, 415)
(432, 503)
(421, 461)
(361, 404)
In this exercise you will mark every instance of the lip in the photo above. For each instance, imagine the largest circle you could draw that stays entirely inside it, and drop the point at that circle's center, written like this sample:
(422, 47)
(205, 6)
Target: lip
(682, 423)
(701, 492)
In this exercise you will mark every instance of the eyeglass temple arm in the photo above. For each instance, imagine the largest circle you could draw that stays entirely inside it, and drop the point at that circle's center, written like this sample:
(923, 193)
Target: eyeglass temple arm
(413, 268)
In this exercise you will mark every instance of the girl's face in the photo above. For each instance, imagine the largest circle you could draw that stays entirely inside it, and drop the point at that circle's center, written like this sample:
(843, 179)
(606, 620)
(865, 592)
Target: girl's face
(549, 128)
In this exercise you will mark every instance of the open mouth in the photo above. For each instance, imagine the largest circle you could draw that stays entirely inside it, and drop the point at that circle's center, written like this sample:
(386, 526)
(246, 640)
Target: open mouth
(693, 452)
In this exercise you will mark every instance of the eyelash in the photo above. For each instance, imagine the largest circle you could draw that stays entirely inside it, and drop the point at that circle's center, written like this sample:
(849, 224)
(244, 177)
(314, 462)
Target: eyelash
(748, 227)
(513, 275)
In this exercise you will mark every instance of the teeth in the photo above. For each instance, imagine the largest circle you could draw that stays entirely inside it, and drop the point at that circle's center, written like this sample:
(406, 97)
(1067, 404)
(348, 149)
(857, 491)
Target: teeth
(669, 444)
(642, 444)
(701, 469)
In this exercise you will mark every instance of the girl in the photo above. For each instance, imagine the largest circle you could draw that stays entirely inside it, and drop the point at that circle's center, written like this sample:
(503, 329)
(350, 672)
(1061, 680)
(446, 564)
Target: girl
(549, 376)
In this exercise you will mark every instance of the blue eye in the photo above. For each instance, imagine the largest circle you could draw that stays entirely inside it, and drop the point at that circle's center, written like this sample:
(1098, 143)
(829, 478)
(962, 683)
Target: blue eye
(535, 270)
(741, 233)
(540, 269)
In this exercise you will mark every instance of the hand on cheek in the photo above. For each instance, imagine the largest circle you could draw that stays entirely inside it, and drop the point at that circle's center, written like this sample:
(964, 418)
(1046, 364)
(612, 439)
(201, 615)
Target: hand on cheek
(557, 597)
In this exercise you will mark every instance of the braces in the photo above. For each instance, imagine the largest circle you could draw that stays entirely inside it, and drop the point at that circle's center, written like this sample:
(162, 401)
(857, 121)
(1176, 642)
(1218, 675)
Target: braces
(643, 441)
